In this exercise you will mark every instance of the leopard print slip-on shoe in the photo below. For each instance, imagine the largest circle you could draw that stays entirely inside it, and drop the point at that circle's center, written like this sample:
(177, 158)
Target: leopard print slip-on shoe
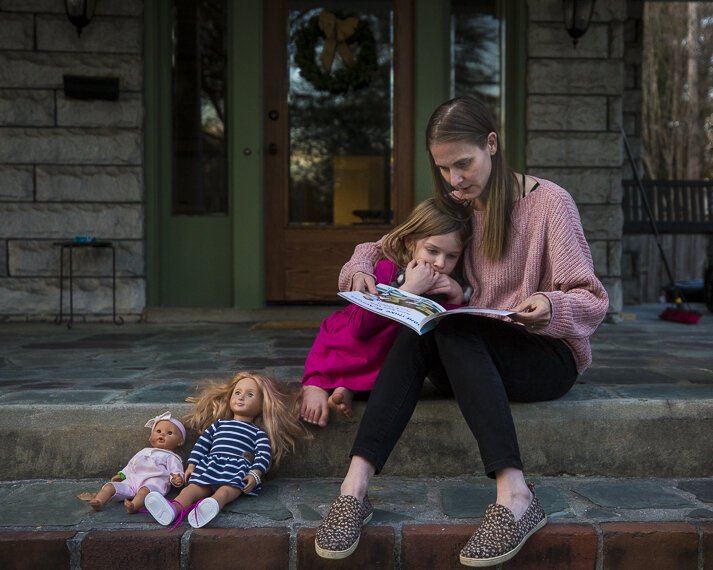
(500, 537)
(338, 535)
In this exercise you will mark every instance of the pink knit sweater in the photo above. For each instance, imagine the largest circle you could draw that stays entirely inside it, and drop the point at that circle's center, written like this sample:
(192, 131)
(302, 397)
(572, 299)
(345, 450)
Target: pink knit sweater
(548, 254)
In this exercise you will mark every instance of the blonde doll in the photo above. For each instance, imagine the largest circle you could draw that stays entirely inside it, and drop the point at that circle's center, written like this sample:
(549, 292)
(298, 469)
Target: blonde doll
(153, 469)
(247, 425)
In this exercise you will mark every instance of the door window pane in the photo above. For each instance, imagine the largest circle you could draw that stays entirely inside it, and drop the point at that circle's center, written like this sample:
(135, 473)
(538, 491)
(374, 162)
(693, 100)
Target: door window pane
(340, 111)
(200, 184)
(477, 51)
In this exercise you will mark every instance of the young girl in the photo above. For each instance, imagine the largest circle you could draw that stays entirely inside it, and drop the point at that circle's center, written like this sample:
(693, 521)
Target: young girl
(247, 425)
(153, 468)
(418, 257)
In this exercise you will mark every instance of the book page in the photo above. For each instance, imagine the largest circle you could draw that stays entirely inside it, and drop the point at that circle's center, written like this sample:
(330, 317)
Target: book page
(410, 310)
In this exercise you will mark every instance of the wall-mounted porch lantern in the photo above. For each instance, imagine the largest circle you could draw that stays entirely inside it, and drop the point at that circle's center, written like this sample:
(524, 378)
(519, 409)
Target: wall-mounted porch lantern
(577, 15)
(80, 13)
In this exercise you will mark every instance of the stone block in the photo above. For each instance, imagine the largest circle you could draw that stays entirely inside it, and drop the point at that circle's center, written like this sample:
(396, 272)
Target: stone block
(632, 77)
(569, 76)
(26, 108)
(375, 550)
(551, 40)
(103, 8)
(616, 40)
(615, 114)
(602, 221)
(108, 550)
(28, 550)
(574, 149)
(40, 296)
(587, 185)
(560, 113)
(633, 101)
(433, 547)
(40, 258)
(63, 221)
(126, 112)
(31, 6)
(3, 258)
(600, 257)
(45, 70)
(614, 255)
(16, 32)
(616, 295)
(102, 35)
(642, 546)
(89, 184)
(16, 183)
(558, 546)
(245, 548)
(57, 146)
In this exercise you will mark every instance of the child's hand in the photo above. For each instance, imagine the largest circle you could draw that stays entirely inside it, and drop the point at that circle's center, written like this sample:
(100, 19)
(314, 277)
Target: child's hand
(176, 479)
(116, 478)
(419, 277)
(449, 287)
(364, 282)
(189, 471)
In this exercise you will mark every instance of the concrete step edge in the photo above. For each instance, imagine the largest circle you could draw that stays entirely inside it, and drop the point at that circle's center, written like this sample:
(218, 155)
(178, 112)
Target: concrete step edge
(614, 437)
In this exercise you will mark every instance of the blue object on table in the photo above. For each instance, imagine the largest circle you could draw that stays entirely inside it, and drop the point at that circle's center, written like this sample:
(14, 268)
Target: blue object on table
(84, 239)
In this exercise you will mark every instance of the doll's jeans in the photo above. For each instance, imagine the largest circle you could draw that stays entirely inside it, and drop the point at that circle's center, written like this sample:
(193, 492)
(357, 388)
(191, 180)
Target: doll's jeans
(485, 363)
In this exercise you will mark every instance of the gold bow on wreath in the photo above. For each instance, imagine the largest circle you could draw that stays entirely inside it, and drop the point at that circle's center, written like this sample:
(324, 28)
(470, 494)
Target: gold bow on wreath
(336, 32)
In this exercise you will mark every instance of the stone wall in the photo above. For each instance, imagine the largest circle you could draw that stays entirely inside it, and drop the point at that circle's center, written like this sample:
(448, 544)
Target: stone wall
(69, 166)
(574, 121)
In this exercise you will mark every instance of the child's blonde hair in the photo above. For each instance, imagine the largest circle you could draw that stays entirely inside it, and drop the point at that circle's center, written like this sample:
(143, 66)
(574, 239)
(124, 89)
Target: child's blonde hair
(426, 220)
(279, 416)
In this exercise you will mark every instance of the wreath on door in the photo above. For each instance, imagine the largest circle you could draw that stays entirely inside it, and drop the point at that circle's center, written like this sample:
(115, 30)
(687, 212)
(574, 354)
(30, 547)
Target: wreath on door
(343, 37)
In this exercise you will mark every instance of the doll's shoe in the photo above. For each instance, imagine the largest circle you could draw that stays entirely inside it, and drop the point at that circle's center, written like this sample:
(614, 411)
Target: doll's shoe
(160, 508)
(338, 535)
(500, 536)
(204, 511)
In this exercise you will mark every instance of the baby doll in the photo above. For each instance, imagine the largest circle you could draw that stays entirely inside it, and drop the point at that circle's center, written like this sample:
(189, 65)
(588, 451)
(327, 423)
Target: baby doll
(247, 425)
(150, 470)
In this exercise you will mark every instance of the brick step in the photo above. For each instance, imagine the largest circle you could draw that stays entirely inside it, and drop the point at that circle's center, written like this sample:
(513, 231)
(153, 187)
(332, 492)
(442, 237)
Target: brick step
(578, 434)
(563, 546)
(418, 523)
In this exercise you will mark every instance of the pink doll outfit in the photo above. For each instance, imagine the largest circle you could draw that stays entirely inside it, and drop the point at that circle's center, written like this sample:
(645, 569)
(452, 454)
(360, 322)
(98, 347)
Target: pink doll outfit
(352, 344)
(149, 468)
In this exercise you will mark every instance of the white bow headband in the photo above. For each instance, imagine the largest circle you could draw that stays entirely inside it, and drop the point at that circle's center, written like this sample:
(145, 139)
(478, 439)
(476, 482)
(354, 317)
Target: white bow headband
(167, 417)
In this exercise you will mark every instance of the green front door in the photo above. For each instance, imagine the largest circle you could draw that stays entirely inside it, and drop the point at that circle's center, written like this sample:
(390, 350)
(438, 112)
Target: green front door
(202, 218)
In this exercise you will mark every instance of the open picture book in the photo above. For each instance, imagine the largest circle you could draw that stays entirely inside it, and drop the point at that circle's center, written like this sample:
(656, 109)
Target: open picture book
(419, 313)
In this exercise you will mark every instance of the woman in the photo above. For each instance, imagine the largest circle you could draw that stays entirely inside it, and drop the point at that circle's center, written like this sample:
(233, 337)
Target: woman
(528, 254)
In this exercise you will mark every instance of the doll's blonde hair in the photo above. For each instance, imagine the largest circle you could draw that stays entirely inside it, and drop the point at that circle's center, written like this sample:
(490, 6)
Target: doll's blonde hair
(279, 416)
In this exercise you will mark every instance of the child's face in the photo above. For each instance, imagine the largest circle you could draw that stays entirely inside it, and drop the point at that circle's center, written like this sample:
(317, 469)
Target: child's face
(165, 435)
(441, 251)
(246, 401)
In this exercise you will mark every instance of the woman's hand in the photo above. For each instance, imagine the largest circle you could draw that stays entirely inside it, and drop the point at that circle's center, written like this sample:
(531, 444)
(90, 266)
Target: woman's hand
(449, 287)
(364, 282)
(419, 277)
(189, 471)
(534, 312)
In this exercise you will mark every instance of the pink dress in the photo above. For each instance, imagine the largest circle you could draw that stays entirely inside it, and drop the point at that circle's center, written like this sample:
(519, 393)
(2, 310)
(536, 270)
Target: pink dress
(352, 344)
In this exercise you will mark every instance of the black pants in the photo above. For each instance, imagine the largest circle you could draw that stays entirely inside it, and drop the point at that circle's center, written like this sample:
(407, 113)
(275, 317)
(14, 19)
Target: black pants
(485, 363)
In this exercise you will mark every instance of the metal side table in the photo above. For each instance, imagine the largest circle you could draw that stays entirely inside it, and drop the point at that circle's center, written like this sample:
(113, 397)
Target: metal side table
(71, 246)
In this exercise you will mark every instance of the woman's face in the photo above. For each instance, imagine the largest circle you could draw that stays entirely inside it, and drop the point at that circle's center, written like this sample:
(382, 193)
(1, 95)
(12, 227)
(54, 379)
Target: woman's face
(466, 167)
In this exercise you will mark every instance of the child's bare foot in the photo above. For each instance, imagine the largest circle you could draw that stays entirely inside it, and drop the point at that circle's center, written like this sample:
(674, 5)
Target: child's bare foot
(341, 400)
(130, 507)
(314, 406)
